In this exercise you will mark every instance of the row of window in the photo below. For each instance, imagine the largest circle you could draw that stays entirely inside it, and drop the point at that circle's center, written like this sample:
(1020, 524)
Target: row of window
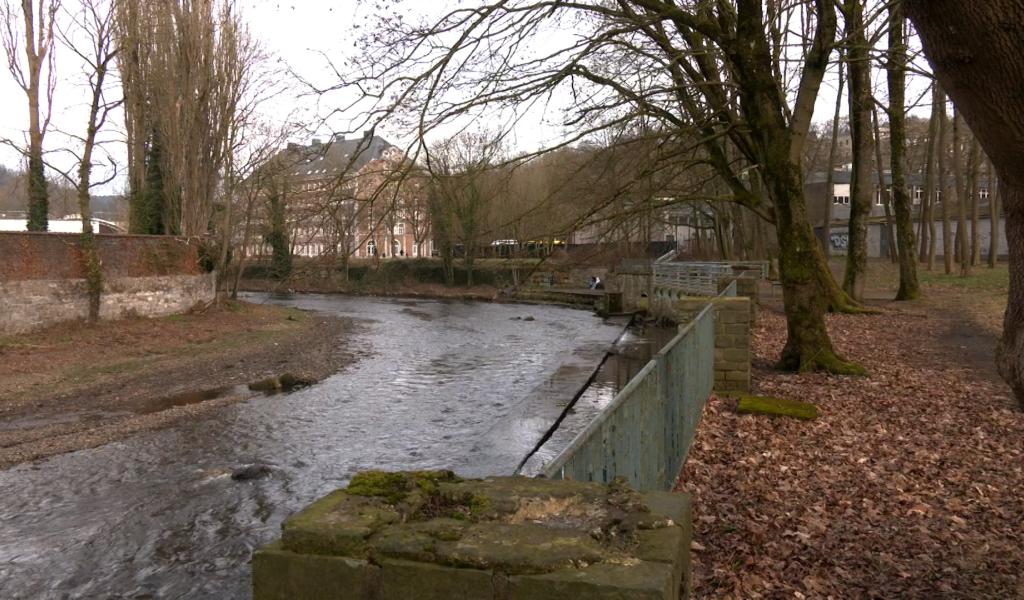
(918, 196)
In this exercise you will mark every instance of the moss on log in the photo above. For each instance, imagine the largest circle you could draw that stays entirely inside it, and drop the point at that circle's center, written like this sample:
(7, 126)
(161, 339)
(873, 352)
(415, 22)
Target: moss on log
(766, 405)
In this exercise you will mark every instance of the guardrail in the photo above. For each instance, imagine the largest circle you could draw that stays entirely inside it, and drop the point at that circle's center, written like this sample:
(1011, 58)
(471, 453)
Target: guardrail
(700, 278)
(645, 433)
(695, 279)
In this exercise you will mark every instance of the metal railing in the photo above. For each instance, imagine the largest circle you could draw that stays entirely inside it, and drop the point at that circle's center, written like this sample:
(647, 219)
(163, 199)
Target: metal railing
(701, 278)
(694, 279)
(645, 433)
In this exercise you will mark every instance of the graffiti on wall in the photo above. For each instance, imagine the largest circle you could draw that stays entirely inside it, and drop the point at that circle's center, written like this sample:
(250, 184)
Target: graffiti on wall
(839, 241)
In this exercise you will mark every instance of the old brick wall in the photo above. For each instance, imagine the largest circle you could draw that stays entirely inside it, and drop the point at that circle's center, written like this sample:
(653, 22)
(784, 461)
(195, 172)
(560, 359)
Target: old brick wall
(58, 256)
(42, 278)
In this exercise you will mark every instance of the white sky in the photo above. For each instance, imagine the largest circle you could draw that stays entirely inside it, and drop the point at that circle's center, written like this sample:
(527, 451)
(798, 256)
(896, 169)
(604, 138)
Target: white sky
(297, 33)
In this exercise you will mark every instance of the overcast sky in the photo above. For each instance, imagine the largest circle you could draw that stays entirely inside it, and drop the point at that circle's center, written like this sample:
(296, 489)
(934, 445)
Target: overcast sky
(297, 33)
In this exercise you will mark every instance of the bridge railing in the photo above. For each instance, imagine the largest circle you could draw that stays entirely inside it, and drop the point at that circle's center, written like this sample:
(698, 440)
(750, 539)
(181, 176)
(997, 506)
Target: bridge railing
(645, 433)
(701, 278)
(694, 279)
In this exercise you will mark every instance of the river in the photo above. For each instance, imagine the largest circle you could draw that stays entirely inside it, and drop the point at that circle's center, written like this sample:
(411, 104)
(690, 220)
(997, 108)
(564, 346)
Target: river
(437, 384)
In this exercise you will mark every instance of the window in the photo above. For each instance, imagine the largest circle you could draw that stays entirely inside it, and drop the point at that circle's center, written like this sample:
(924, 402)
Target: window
(983, 193)
(878, 198)
(400, 229)
(840, 199)
(918, 195)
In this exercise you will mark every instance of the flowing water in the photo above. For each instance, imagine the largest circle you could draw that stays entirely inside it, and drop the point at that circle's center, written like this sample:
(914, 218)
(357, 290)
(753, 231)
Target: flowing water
(436, 385)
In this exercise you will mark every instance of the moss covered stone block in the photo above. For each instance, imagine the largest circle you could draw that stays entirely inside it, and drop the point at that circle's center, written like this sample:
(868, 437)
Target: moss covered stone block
(337, 524)
(425, 581)
(781, 407)
(279, 574)
(630, 580)
(433, 535)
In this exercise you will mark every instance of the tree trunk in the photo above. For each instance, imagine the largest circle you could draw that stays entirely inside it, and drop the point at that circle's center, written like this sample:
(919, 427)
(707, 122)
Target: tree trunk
(974, 173)
(884, 196)
(859, 65)
(809, 290)
(993, 215)
(945, 193)
(927, 255)
(961, 196)
(977, 53)
(907, 245)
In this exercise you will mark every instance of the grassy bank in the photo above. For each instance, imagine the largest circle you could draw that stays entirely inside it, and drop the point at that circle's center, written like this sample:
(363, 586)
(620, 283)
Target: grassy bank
(75, 386)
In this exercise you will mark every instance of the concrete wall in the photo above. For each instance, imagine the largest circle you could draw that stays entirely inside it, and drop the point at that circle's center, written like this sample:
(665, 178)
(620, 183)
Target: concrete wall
(42, 278)
(878, 242)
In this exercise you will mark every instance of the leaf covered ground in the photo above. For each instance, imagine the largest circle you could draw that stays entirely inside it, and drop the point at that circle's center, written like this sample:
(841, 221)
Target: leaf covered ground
(908, 485)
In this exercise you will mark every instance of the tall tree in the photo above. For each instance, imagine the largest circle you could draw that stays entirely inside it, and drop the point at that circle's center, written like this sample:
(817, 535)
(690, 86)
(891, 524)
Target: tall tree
(94, 25)
(993, 213)
(977, 53)
(186, 66)
(973, 193)
(34, 24)
(945, 190)
(897, 82)
(960, 179)
(861, 186)
(930, 196)
(714, 67)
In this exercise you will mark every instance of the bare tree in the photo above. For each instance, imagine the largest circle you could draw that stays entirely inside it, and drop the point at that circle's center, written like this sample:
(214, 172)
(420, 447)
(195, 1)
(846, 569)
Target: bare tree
(927, 254)
(462, 169)
(859, 66)
(93, 24)
(906, 243)
(959, 171)
(186, 69)
(33, 23)
(723, 69)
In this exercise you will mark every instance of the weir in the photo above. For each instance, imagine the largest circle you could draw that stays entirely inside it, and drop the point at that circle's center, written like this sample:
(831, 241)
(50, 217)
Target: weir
(503, 538)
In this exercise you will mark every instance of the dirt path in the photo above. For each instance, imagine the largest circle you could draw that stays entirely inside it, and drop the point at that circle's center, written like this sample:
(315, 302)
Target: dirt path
(907, 486)
(73, 387)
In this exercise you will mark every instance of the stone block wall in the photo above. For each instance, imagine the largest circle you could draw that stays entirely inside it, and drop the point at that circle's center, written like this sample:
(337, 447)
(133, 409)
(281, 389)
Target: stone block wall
(635, 287)
(42, 280)
(434, 536)
(732, 337)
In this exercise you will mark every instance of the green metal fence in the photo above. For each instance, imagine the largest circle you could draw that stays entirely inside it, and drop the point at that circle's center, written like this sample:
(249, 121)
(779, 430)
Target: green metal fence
(645, 433)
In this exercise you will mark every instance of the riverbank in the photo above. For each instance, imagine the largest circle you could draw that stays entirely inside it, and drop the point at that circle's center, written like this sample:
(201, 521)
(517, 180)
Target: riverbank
(407, 289)
(73, 386)
(907, 485)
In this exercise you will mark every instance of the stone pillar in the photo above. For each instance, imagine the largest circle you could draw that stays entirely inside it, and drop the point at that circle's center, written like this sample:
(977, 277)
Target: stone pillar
(732, 344)
(732, 337)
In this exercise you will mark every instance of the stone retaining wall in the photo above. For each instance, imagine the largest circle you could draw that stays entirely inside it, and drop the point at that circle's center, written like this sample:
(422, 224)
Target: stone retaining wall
(42, 279)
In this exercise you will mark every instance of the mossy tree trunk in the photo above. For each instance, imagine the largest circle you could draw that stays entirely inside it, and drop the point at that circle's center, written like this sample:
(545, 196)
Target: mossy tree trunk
(809, 289)
(861, 102)
(906, 240)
